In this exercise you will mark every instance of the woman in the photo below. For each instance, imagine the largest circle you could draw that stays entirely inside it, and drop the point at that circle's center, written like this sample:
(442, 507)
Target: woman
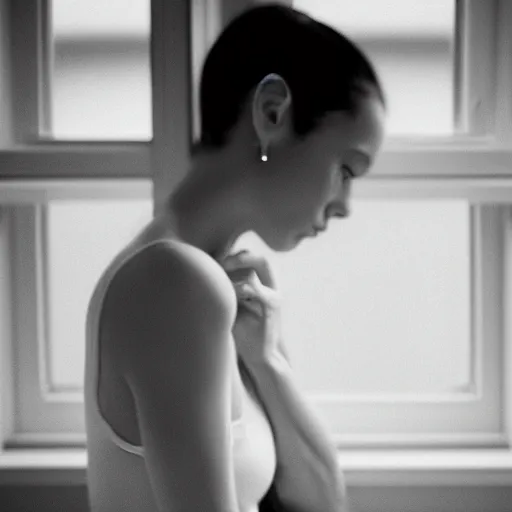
(190, 401)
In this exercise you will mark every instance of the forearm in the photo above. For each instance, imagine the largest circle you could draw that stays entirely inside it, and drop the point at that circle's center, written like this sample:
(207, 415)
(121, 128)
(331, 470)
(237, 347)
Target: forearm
(308, 478)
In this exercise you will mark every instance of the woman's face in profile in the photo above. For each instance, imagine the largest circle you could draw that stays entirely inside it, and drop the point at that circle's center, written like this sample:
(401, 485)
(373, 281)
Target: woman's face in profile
(316, 173)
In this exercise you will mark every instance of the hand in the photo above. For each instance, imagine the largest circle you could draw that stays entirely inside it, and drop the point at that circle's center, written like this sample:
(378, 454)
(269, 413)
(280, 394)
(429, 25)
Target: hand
(257, 328)
(243, 261)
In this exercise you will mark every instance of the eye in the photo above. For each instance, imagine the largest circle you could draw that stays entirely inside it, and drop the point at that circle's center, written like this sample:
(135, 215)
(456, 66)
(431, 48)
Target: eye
(347, 172)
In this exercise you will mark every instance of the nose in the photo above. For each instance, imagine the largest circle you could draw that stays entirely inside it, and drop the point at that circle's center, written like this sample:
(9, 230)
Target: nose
(341, 200)
(338, 209)
(343, 211)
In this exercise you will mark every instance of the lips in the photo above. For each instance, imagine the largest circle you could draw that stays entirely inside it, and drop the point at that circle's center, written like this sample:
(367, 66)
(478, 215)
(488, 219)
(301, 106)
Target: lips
(317, 229)
(314, 231)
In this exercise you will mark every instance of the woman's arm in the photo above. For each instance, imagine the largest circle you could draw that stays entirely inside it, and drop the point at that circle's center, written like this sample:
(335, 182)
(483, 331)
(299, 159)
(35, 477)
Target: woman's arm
(308, 478)
(176, 358)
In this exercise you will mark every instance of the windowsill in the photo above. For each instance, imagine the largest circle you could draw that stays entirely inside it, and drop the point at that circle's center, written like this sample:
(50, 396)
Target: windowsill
(43, 467)
(427, 467)
(362, 468)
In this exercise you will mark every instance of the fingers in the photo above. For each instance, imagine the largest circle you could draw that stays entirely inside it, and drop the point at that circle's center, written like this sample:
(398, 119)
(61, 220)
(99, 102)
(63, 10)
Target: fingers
(244, 290)
(249, 298)
(255, 291)
(241, 274)
(249, 260)
(240, 259)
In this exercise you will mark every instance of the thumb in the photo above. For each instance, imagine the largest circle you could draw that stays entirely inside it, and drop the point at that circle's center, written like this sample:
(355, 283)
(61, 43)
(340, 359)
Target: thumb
(269, 297)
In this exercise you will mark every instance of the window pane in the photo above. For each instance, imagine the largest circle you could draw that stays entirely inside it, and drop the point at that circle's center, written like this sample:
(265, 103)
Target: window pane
(382, 304)
(82, 239)
(410, 44)
(101, 87)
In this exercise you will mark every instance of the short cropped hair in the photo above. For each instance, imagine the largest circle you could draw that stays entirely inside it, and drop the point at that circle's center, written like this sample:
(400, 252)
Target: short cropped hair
(323, 69)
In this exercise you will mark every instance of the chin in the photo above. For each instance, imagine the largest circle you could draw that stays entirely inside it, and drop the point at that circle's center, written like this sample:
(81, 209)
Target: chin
(283, 243)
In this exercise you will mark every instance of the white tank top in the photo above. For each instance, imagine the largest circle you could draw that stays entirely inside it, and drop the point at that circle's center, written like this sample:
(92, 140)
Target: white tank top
(116, 472)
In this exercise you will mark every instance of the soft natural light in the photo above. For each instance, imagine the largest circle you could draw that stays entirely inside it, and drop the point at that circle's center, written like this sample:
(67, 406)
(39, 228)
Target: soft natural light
(97, 18)
(101, 87)
(410, 44)
(380, 303)
(100, 79)
(389, 18)
(82, 239)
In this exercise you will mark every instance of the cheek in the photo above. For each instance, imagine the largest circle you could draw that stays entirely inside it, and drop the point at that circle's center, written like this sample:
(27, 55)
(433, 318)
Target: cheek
(323, 183)
(311, 197)
(307, 189)
(318, 176)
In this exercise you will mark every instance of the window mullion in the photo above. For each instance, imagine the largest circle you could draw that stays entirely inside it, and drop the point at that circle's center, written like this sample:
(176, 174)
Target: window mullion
(24, 38)
(6, 103)
(474, 190)
(6, 329)
(507, 338)
(487, 309)
(448, 161)
(45, 68)
(206, 21)
(504, 73)
(475, 66)
(171, 83)
(76, 160)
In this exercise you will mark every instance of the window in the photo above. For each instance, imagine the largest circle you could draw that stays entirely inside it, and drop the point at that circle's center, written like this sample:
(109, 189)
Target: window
(65, 165)
(73, 233)
(397, 292)
(372, 346)
(399, 337)
(100, 55)
(391, 308)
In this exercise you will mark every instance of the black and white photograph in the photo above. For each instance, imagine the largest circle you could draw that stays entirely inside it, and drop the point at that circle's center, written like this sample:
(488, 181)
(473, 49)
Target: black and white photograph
(255, 256)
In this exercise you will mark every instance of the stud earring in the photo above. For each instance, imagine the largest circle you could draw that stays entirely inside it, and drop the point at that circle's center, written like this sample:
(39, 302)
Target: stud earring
(263, 156)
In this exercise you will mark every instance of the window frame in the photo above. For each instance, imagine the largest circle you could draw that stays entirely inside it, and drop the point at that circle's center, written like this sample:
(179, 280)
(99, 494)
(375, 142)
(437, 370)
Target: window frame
(465, 419)
(473, 165)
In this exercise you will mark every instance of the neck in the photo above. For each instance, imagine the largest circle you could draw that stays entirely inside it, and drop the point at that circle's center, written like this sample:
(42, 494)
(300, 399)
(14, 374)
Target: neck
(207, 209)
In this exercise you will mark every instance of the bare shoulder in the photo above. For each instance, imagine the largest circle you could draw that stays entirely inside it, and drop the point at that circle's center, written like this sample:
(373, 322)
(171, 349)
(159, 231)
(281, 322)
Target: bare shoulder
(168, 293)
(173, 267)
(175, 354)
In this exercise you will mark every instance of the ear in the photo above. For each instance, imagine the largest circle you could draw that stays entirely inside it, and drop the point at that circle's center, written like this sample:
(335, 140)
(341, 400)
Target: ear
(271, 110)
